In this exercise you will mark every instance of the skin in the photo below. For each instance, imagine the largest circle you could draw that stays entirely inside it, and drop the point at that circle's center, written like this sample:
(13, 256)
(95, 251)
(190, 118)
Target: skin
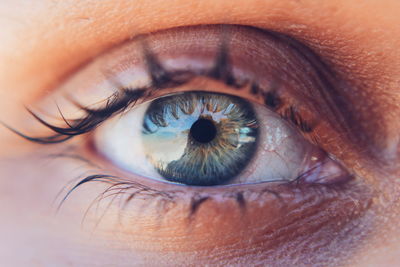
(45, 42)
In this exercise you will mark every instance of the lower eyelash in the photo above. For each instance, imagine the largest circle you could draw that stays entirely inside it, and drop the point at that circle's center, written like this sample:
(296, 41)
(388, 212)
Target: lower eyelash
(127, 191)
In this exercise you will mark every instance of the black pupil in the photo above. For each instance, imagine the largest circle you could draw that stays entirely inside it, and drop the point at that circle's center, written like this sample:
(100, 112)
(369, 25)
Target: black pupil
(203, 131)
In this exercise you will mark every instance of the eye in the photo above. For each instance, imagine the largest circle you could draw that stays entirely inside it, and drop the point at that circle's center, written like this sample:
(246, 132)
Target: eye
(205, 139)
(230, 135)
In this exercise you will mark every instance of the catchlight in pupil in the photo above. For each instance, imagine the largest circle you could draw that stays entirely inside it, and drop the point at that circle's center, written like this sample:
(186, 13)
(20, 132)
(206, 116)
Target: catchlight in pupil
(203, 130)
(199, 138)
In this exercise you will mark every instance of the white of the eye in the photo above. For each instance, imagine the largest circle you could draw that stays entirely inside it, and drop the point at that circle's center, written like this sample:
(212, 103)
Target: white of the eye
(281, 151)
(119, 139)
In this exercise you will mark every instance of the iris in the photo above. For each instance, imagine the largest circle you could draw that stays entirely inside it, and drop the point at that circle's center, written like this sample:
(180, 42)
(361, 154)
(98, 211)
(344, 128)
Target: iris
(199, 138)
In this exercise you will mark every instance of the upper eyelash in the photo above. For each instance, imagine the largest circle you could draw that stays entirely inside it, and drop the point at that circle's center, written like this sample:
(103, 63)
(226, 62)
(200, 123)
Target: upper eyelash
(160, 79)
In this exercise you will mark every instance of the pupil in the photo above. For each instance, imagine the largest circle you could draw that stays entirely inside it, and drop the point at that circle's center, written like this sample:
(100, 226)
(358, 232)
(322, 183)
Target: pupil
(203, 131)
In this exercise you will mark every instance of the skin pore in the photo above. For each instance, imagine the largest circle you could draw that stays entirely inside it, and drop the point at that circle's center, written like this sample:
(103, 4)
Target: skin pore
(44, 42)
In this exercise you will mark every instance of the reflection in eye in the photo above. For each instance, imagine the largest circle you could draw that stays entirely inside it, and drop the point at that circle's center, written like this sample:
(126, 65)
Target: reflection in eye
(199, 138)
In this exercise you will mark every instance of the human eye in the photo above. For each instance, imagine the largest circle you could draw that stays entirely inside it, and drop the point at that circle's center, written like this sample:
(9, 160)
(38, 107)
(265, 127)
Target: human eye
(210, 134)
(181, 134)
(205, 139)
(199, 126)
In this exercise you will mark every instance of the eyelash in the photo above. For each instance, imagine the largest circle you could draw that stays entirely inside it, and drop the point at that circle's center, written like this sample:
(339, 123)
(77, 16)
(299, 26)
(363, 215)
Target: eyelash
(124, 188)
(126, 98)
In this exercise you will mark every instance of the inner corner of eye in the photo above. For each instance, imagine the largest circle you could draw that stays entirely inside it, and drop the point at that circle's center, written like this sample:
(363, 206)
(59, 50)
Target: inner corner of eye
(209, 139)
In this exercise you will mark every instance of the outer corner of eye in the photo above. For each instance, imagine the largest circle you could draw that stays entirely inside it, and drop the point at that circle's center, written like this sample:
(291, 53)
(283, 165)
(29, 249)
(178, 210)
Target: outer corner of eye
(208, 139)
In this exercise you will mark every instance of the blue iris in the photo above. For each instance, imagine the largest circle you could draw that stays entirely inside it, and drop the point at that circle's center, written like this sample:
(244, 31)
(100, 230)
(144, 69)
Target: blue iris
(200, 138)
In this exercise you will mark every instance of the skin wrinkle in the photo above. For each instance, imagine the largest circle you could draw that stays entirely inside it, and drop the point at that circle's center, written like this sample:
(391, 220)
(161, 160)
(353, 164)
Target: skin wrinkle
(346, 38)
